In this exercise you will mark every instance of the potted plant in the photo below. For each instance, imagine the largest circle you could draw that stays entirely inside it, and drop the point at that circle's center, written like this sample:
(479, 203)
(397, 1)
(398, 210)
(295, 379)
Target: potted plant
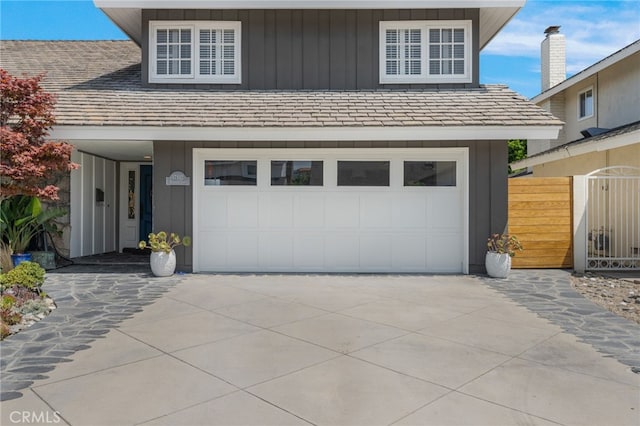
(21, 218)
(500, 249)
(163, 257)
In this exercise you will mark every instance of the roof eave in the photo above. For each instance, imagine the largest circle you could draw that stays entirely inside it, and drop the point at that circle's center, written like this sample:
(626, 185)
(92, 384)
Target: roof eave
(494, 14)
(575, 149)
(311, 133)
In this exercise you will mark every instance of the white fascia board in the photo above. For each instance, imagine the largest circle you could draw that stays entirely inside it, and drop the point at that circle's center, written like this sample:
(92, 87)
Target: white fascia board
(588, 72)
(304, 133)
(580, 149)
(306, 4)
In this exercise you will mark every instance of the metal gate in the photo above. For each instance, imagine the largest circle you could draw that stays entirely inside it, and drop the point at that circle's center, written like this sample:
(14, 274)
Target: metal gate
(613, 219)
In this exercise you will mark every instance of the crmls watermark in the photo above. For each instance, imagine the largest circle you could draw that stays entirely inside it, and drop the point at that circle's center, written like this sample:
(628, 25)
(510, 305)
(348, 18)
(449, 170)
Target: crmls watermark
(33, 417)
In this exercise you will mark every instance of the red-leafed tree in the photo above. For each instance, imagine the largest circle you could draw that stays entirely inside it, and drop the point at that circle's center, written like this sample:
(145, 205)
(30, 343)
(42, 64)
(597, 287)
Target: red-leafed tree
(28, 162)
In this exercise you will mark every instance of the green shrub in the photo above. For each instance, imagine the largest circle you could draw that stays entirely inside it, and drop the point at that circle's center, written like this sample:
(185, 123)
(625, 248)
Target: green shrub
(7, 301)
(26, 274)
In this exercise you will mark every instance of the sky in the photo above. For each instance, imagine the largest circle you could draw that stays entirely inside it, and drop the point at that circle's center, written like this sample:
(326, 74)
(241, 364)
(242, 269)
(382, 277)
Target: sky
(593, 30)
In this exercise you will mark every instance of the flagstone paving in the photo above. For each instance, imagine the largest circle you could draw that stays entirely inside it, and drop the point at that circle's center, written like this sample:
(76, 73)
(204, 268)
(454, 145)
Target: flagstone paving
(126, 348)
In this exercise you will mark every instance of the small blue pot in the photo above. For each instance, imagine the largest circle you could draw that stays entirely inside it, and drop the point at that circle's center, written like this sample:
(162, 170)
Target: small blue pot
(19, 258)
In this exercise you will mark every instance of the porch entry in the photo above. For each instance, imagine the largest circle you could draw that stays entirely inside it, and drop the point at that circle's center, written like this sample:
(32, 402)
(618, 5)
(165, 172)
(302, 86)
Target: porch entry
(136, 203)
(613, 219)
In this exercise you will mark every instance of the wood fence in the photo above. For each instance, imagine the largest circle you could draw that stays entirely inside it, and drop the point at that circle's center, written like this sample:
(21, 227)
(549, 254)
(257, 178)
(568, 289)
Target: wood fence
(540, 215)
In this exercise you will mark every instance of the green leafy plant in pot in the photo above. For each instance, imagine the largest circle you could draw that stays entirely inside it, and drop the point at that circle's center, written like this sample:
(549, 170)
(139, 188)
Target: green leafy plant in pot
(21, 218)
(500, 249)
(163, 256)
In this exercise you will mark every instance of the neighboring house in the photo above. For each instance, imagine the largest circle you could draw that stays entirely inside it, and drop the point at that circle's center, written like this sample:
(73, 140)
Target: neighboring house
(599, 146)
(601, 110)
(322, 136)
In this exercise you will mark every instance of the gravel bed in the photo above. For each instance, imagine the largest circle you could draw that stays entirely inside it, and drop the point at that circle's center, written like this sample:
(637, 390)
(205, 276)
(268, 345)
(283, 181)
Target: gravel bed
(622, 297)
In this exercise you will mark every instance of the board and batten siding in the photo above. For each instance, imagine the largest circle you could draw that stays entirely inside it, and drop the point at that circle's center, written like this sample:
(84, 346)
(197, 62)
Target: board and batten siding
(311, 49)
(172, 208)
(93, 223)
(540, 215)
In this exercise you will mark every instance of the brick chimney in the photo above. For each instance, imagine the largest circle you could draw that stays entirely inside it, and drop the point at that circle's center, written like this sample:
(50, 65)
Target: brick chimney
(553, 59)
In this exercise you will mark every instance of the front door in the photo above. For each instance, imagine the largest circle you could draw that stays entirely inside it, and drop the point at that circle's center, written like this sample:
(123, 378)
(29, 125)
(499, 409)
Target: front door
(135, 203)
(146, 192)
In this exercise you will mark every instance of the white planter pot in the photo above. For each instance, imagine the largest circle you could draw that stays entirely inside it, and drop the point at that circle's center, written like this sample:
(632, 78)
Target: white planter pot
(163, 264)
(498, 264)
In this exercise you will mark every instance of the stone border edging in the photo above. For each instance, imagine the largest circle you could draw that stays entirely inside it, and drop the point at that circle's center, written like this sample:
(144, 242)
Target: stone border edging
(549, 294)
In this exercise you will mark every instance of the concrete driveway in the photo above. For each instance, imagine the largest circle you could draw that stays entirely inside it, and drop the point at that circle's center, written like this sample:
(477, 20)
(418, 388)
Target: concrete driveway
(333, 350)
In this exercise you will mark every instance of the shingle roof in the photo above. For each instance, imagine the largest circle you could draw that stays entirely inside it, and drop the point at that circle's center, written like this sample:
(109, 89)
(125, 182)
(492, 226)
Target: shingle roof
(99, 83)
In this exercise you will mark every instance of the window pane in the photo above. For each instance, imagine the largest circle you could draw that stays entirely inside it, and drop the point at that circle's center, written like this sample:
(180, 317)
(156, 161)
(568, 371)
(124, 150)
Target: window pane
(446, 67)
(434, 67)
(415, 36)
(413, 67)
(185, 36)
(229, 68)
(458, 35)
(228, 52)
(447, 36)
(363, 173)
(434, 36)
(392, 36)
(174, 67)
(161, 36)
(174, 51)
(229, 36)
(162, 52)
(392, 68)
(434, 52)
(458, 51)
(414, 52)
(173, 36)
(392, 52)
(303, 173)
(458, 67)
(446, 52)
(205, 52)
(185, 51)
(219, 173)
(185, 67)
(161, 67)
(429, 173)
(205, 36)
(205, 68)
(586, 104)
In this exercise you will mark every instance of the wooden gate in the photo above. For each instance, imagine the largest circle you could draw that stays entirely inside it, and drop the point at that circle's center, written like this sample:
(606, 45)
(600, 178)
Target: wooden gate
(540, 215)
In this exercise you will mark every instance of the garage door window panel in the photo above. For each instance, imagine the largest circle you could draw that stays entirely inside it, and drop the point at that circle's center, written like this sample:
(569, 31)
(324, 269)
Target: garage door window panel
(297, 173)
(223, 173)
(363, 173)
(429, 173)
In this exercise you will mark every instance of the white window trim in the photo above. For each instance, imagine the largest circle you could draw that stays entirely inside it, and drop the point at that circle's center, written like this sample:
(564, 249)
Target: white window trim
(425, 77)
(194, 77)
(593, 103)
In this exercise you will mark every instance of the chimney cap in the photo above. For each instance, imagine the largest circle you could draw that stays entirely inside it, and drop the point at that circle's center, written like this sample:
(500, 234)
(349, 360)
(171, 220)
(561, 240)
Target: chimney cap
(554, 29)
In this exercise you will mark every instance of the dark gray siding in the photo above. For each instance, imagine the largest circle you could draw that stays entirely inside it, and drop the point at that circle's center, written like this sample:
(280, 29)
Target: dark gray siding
(487, 186)
(311, 49)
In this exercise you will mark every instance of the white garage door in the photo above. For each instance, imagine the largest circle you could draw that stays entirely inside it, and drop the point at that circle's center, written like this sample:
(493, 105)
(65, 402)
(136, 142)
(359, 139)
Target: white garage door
(330, 210)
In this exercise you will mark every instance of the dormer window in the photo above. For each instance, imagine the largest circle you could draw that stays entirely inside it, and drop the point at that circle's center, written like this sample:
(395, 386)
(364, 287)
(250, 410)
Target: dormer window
(194, 52)
(425, 52)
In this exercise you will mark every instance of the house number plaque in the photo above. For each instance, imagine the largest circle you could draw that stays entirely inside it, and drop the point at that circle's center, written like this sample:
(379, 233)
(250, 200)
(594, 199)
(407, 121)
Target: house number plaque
(178, 178)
